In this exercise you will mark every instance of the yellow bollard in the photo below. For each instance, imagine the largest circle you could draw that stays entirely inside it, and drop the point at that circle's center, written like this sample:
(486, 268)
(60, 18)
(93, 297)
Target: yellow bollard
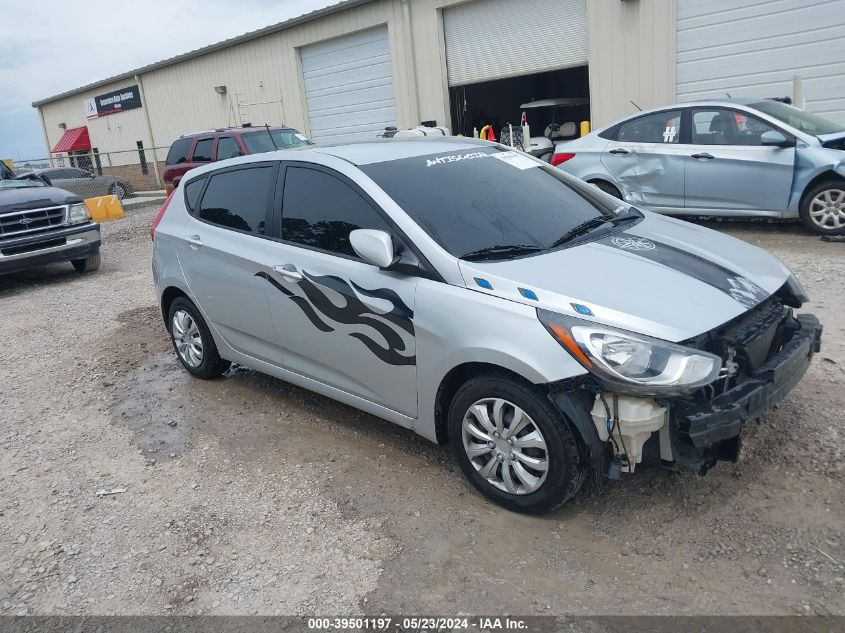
(585, 128)
(104, 208)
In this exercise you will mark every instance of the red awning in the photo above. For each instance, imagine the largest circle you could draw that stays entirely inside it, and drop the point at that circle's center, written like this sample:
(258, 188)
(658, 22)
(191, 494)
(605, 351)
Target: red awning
(73, 140)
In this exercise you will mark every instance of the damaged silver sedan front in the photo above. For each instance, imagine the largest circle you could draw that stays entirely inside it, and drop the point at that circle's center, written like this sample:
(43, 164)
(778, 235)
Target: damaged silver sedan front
(739, 157)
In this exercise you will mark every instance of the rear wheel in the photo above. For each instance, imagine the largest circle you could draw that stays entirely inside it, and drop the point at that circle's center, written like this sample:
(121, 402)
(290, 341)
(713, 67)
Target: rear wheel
(513, 445)
(823, 208)
(119, 190)
(607, 188)
(193, 342)
(87, 265)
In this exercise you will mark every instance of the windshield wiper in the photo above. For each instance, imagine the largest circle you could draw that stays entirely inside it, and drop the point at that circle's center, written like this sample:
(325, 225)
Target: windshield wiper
(500, 252)
(593, 223)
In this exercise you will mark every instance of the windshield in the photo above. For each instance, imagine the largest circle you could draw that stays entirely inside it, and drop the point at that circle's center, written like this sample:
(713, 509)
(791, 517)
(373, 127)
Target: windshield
(20, 184)
(799, 119)
(489, 201)
(258, 142)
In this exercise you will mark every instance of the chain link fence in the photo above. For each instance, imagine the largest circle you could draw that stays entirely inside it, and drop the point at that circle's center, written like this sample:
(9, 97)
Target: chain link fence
(126, 174)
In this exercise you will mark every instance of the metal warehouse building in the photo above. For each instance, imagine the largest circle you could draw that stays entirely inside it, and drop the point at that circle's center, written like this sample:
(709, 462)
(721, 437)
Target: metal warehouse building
(348, 71)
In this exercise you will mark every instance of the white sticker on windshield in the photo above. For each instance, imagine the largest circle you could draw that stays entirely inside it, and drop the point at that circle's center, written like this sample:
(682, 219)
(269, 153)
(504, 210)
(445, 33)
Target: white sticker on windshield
(520, 161)
(442, 160)
(301, 137)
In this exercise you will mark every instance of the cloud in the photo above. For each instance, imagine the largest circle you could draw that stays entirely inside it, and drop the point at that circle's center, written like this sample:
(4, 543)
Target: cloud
(49, 47)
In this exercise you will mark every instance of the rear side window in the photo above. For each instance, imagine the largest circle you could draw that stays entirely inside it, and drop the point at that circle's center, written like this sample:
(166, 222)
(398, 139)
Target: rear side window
(202, 152)
(227, 147)
(239, 199)
(321, 210)
(192, 192)
(178, 152)
(661, 127)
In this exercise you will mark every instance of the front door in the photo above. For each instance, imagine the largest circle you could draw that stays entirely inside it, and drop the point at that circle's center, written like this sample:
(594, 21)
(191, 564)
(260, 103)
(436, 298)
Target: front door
(224, 246)
(647, 160)
(338, 319)
(729, 170)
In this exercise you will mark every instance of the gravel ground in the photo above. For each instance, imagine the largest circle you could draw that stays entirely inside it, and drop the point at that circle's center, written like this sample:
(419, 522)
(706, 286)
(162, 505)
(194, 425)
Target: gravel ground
(249, 495)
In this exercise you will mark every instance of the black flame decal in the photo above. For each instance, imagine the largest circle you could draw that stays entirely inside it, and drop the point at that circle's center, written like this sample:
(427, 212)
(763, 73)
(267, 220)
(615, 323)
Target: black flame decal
(318, 308)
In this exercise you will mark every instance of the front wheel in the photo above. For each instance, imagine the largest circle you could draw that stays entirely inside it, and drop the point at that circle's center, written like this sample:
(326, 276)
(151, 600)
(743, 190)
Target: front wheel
(119, 190)
(513, 445)
(193, 342)
(823, 208)
(87, 265)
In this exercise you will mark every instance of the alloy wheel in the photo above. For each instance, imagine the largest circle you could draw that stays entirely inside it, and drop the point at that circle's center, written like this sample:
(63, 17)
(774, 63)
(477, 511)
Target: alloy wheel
(505, 446)
(827, 209)
(187, 338)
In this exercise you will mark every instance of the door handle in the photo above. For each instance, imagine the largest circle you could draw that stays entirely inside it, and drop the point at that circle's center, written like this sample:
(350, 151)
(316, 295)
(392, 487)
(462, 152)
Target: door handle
(194, 240)
(288, 271)
(704, 155)
(619, 150)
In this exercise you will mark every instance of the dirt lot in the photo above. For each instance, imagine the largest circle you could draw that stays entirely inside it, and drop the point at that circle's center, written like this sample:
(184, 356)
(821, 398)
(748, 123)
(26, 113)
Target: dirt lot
(248, 495)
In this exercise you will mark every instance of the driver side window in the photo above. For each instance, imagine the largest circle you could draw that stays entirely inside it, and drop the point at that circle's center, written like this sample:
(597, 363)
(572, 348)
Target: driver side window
(718, 126)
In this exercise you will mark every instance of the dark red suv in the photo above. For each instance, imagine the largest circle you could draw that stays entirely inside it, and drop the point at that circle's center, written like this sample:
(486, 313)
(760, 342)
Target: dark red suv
(199, 148)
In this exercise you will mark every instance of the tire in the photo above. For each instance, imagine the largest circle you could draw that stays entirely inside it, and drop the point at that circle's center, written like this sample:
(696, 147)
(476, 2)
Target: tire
(87, 265)
(823, 208)
(207, 364)
(118, 189)
(607, 188)
(563, 474)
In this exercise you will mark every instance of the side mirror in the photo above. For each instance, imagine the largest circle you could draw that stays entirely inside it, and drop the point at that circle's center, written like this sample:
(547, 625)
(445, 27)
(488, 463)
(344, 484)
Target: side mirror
(773, 138)
(375, 247)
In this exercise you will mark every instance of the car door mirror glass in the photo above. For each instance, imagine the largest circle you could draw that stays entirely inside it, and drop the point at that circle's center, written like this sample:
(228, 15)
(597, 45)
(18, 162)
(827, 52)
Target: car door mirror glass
(775, 139)
(375, 247)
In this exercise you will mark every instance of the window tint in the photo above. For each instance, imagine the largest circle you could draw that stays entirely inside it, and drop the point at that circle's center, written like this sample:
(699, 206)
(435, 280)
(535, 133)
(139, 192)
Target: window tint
(717, 126)
(239, 199)
(662, 127)
(202, 152)
(178, 151)
(484, 198)
(320, 211)
(78, 173)
(257, 142)
(797, 118)
(227, 147)
(192, 192)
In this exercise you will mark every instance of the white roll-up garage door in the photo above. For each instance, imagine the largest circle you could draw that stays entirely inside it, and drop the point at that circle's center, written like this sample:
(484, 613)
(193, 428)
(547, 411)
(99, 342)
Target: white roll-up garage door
(495, 39)
(750, 48)
(349, 87)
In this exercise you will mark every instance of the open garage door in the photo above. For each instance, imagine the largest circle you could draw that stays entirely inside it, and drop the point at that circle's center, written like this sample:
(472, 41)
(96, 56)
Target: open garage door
(349, 87)
(750, 48)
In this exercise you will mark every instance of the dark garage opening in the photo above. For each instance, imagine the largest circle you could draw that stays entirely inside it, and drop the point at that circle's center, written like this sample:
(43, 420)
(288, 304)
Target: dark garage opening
(497, 102)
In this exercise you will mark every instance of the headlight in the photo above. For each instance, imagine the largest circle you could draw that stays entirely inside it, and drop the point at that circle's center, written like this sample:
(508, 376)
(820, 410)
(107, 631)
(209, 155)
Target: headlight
(77, 214)
(795, 296)
(631, 362)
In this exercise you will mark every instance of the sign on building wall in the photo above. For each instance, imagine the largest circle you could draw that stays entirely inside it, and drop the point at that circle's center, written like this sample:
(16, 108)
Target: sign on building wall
(112, 102)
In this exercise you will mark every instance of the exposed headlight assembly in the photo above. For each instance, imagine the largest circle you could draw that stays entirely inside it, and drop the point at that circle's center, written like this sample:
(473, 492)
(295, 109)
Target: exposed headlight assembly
(632, 363)
(78, 214)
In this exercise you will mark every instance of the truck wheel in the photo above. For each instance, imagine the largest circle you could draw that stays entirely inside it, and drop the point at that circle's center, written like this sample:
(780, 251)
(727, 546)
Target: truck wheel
(192, 341)
(87, 265)
(513, 445)
(823, 208)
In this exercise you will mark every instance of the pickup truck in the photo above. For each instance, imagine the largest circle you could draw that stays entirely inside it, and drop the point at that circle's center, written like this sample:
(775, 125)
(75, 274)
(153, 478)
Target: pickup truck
(40, 224)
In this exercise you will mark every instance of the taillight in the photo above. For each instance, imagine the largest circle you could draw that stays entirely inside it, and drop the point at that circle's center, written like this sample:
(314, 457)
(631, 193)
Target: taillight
(559, 159)
(160, 215)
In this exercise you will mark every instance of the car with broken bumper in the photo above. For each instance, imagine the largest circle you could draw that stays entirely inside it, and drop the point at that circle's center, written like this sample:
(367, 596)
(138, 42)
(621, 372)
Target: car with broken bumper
(547, 331)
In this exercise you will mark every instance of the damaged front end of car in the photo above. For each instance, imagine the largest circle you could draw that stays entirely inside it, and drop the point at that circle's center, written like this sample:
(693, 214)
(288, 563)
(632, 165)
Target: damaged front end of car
(692, 399)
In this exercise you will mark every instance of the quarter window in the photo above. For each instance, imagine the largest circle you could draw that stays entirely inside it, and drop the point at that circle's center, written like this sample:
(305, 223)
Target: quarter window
(178, 151)
(202, 152)
(661, 127)
(192, 192)
(320, 211)
(238, 199)
(717, 126)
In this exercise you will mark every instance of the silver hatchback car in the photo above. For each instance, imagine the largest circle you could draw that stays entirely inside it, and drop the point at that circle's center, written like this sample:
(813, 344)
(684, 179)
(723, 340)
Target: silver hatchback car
(740, 157)
(547, 331)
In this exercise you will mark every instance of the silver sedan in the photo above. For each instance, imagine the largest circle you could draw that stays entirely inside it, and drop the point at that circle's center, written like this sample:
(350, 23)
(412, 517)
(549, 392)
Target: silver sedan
(737, 157)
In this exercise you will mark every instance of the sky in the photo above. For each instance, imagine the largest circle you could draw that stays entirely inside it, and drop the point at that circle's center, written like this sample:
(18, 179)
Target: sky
(51, 46)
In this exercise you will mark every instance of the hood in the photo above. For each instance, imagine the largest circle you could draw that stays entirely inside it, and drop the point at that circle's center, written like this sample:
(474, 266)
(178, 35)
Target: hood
(34, 197)
(662, 277)
(833, 141)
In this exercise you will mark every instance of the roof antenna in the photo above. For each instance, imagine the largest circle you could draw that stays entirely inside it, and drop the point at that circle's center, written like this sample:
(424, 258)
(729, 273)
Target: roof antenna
(635, 105)
(729, 95)
(272, 140)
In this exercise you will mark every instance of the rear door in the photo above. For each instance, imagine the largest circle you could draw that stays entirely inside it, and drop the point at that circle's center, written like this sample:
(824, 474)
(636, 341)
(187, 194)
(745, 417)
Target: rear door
(730, 171)
(225, 247)
(340, 320)
(647, 160)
